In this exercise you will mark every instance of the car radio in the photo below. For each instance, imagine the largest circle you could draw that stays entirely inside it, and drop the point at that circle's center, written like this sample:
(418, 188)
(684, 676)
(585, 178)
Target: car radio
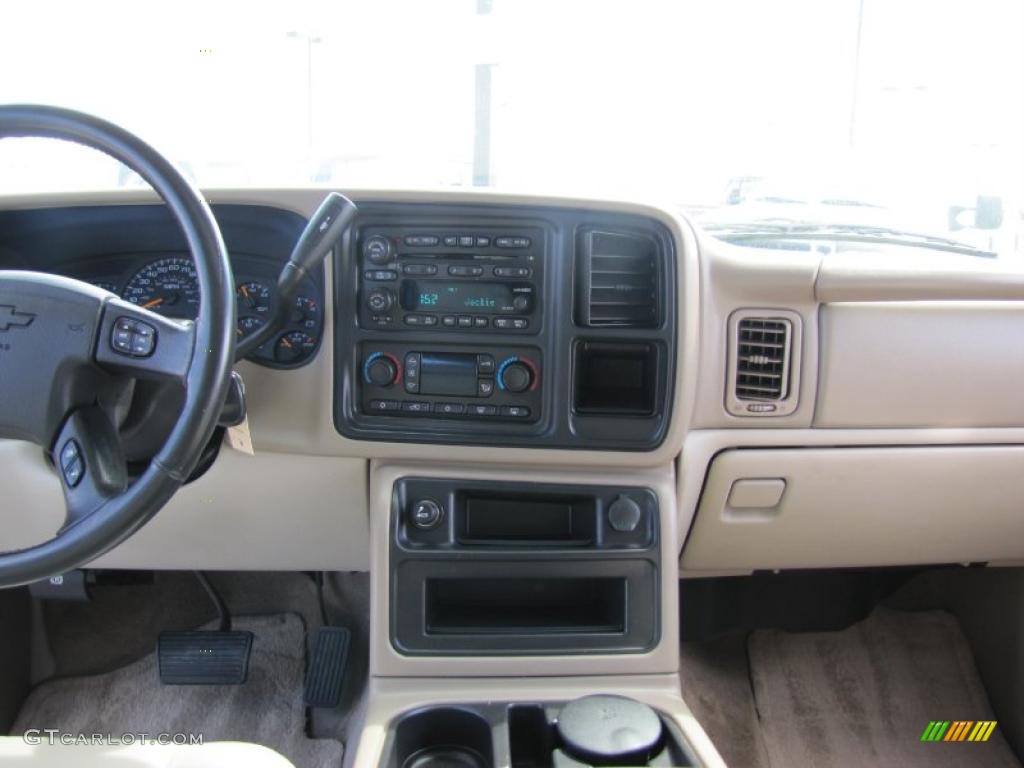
(465, 279)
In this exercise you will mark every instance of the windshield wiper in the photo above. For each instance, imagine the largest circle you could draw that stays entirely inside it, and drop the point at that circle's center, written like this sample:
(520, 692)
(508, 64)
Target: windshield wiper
(781, 229)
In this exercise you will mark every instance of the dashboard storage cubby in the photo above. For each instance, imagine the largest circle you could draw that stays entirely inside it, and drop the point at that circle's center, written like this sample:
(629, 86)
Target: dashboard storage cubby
(481, 568)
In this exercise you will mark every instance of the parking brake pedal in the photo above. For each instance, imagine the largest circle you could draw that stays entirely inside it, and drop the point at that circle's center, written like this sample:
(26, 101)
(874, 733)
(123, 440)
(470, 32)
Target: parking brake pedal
(205, 657)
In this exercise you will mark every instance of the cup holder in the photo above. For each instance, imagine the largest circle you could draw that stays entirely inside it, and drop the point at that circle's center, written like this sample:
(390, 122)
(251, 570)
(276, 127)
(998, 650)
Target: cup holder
(442, 736)
(598, 730)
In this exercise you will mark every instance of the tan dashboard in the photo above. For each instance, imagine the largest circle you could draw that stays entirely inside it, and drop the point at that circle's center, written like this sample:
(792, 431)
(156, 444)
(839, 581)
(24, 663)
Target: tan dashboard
(902, 412)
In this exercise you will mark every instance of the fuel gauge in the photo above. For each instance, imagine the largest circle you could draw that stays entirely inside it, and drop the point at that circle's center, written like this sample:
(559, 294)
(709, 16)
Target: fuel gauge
(293, 347)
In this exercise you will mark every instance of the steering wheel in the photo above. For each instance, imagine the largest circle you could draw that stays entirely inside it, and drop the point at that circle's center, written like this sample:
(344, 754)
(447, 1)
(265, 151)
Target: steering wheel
(69, 349)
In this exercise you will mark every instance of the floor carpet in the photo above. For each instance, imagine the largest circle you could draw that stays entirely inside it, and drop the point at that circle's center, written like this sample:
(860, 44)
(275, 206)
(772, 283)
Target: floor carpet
(268, 709)
(859, 697)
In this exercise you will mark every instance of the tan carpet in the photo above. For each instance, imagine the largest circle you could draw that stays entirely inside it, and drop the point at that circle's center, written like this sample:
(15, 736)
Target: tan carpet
(863, 696)
(268, 709)
(716, 687)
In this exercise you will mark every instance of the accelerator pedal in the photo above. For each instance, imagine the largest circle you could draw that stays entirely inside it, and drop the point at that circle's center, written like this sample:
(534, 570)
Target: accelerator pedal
(326, 672)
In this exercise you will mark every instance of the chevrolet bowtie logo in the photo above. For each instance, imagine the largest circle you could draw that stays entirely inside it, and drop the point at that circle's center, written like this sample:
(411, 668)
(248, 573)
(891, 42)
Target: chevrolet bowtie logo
(12, 318)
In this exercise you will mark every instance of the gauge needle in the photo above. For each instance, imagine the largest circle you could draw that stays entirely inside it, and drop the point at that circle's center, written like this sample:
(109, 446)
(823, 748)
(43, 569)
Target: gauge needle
(286, 342)
(245, 293)
(153, 303)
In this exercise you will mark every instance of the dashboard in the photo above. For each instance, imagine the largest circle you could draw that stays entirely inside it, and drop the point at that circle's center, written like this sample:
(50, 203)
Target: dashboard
(892, 378)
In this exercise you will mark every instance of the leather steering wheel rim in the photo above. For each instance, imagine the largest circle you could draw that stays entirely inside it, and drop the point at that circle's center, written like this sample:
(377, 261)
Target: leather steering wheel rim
(205, 374)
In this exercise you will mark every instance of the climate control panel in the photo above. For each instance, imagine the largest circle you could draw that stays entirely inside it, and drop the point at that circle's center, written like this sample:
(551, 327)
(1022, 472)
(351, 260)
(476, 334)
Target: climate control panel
(450, 381)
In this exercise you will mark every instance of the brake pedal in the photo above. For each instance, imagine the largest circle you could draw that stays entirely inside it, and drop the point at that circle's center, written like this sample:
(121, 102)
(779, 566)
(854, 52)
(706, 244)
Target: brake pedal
(204, 657)
(326, 672)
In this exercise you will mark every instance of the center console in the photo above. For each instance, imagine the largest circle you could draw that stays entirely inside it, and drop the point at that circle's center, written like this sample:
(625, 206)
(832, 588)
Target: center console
(484, 568)
(533, 328)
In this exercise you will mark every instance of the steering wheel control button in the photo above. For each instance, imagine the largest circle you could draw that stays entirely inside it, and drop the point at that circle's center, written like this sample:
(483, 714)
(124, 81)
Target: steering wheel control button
(71, 464)
(425, 514)
(624, 514)
(134, 338)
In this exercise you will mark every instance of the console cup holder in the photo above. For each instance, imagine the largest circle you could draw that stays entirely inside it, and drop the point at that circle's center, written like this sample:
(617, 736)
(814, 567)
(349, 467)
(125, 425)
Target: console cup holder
(596, 730)
(442, 737)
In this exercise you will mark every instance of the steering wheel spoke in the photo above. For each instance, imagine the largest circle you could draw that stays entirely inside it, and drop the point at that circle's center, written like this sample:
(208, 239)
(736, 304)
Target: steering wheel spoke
(133, 341)
(90, 461)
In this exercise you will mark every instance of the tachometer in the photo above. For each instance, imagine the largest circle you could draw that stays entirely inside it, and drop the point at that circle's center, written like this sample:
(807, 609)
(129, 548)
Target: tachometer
(168, 286)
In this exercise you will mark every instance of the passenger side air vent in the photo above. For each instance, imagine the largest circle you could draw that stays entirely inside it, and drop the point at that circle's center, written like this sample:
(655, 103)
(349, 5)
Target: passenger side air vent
(617, 280)
(760, 360)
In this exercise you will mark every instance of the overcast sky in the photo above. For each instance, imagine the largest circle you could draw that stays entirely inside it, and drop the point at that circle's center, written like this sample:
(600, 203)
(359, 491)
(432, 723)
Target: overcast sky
(631, 98)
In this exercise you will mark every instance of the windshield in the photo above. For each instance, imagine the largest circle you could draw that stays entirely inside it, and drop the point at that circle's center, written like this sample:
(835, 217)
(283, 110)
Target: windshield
(907, 115)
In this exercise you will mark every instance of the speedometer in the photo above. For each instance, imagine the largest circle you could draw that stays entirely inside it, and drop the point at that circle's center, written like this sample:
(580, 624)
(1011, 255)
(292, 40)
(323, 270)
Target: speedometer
(168, 286)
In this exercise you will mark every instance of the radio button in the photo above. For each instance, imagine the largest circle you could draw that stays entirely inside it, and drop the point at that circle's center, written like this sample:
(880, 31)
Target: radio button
(380, 300)
(416, 406)
(384, 405)
(480, 321)
(515, 411)
(465, 321)
(521, 303)
(511, 323)
(512, 242)
(420, 319)
(449, 321)
(451, 240)
(450, 409)
(421, 240)
(419, 269)
(466, 241)
(484, 364)
(483, 242)
(380, 275)
(482, 410)
(377, 249)
(465, 271)
(512, 271)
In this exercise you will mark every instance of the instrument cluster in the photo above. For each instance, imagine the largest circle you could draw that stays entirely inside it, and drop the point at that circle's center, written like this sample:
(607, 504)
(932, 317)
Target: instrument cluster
(167, 284)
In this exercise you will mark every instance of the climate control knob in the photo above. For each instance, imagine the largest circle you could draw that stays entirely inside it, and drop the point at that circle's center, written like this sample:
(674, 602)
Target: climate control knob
(380, 300)
(378, 249)
(380, 370)
(515, 376)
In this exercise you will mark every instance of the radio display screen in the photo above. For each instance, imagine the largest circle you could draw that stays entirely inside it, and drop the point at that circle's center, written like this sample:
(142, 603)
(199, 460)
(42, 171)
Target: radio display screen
(454, 296)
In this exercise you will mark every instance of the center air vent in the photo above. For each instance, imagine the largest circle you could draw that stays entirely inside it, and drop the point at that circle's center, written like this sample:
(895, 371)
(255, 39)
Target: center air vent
(617, 280)
(759, 365)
